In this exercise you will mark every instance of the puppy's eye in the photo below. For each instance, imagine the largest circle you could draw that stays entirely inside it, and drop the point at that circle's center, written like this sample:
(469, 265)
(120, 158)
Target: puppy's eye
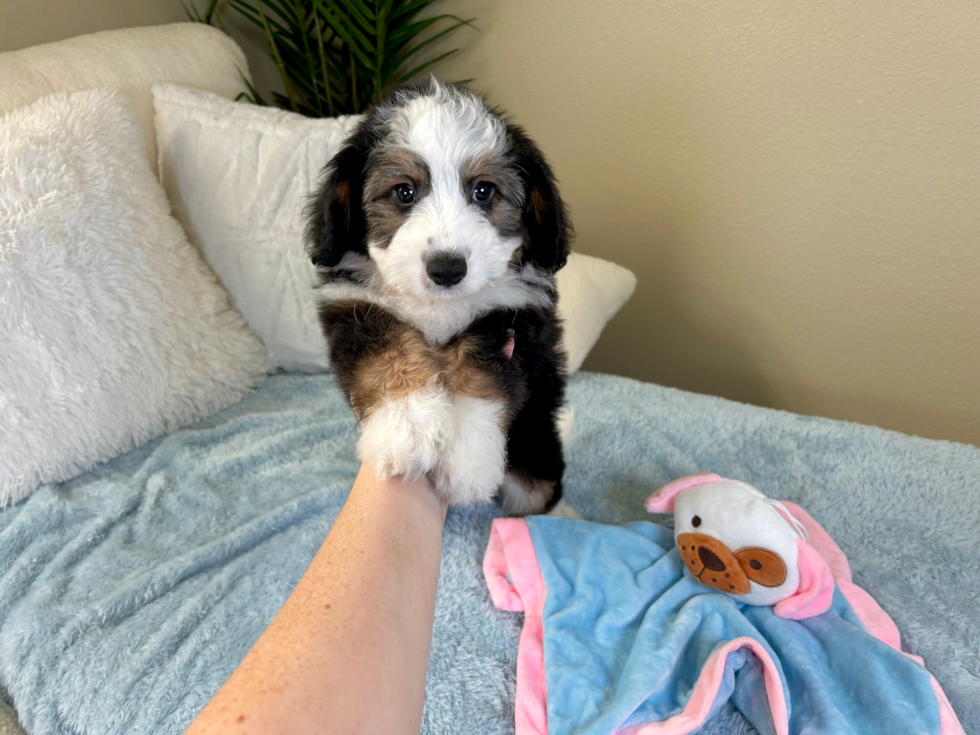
(404, 193)
(482, 192)
(696, 521)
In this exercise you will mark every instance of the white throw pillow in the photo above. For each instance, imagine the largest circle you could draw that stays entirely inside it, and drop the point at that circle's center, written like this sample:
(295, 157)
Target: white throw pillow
(590, 293)
(112, 328)
(238, 177)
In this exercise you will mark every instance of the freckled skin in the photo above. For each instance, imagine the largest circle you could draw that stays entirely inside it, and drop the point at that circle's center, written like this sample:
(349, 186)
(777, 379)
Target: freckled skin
(358, 622)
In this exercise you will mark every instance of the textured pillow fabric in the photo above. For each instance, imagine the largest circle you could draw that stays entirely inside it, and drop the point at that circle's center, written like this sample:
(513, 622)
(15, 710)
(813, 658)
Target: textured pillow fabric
(128, 60)
(112, 327)
(238, 177)
(590, 293)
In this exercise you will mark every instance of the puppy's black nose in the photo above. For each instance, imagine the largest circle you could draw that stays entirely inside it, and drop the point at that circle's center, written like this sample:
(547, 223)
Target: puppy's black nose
(445, 269)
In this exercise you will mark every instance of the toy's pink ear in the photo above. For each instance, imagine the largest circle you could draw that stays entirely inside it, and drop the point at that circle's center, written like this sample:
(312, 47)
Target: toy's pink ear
(816, 590)
(662, 500)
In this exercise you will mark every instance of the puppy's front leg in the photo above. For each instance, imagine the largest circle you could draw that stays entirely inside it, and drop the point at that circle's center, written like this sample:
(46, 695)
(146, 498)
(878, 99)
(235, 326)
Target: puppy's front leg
(472, 468)
(407, 435)
(395, 383)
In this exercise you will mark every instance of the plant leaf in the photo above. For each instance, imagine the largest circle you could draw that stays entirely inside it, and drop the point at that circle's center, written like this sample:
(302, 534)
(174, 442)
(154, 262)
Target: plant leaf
(413, 8)
(418, 47)
(285, 12)
(343, 29)
(252, 95)
(323, 60)
(422, 67)
(413, 29)
(277, 56)
(249, 12)
(336, 56)
(351, 11)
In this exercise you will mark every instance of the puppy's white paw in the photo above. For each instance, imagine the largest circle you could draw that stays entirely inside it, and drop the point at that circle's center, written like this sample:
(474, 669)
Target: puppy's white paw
(523, 495)
(564, 510)
(472, 469)
(408, 436)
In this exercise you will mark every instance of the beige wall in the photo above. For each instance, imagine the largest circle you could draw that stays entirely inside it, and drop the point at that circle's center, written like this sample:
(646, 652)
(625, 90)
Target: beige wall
(796, 184)
(26, 23)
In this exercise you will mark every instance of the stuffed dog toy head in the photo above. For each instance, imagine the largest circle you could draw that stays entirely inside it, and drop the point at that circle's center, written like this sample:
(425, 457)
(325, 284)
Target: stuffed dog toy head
(734, 539)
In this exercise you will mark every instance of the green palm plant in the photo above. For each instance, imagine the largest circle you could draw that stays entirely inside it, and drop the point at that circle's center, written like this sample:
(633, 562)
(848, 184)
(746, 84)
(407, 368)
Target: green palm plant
(337, 57)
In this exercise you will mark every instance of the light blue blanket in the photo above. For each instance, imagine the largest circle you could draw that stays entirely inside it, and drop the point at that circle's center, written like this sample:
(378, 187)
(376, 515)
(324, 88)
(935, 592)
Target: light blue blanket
(128, 595)
(625, 636)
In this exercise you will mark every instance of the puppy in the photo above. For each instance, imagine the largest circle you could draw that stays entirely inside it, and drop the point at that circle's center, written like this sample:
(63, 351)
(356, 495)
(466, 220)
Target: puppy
(436, 232)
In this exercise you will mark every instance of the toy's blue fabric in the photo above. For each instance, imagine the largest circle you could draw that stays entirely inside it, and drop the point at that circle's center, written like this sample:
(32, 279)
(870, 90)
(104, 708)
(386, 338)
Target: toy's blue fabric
(129, 594)
(628, 634)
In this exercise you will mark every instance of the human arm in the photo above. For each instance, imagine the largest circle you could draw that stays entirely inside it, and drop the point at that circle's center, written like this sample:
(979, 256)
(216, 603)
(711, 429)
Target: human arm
(348, 651)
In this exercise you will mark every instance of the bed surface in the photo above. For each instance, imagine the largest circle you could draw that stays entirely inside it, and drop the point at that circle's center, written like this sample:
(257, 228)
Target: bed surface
(128, 595)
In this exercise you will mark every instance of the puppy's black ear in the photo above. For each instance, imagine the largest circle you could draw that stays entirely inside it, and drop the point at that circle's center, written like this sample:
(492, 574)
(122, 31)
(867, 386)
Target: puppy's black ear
(548, 227)
(336, 222)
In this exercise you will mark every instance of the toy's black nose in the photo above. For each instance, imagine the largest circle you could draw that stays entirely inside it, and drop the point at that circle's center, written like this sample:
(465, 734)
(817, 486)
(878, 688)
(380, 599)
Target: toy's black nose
(445, 269)
(710, 559)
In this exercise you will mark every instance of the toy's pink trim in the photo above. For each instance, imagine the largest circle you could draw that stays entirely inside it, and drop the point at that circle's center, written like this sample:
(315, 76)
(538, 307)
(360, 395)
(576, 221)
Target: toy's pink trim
(816, 591)
(662, 500)
(515, 582)
(949, 723)
(502, 591)
(705, 691)
(869, 612)
(822, 542)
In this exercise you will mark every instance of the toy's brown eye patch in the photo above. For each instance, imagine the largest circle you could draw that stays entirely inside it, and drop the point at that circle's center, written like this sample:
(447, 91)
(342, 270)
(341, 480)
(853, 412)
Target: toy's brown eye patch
(696, 521)
(762, 566)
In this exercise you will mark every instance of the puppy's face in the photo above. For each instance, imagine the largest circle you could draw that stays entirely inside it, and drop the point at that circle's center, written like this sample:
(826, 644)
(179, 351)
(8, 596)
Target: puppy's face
(442, 199)
(442, 196)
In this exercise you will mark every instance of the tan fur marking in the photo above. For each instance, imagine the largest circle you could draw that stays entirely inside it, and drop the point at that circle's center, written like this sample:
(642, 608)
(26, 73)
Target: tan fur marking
(464, 374)
(405, 366)
(393, 167)
(341, 193)
(539, 203)
(409, 363)
(387, 170)
(495, 169)
(504, 212)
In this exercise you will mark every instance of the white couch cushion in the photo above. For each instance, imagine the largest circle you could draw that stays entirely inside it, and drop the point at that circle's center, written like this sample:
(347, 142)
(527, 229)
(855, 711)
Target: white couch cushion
(112, 328)
(129, 61)
(238, 177)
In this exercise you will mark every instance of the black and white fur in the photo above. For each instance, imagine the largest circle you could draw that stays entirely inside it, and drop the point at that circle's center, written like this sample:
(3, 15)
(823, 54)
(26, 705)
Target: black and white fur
(379, 260)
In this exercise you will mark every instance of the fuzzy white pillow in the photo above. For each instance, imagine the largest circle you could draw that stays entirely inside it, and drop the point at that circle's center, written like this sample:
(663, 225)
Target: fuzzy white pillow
(238, 177)
(112, 327)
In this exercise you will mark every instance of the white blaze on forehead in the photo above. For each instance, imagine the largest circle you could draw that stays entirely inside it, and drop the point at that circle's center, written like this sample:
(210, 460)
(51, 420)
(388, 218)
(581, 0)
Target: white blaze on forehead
(448, 128)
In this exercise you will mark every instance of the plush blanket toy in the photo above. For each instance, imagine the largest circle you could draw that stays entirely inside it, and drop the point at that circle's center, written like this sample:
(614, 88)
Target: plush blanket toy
(734, 539)
(644, 630)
